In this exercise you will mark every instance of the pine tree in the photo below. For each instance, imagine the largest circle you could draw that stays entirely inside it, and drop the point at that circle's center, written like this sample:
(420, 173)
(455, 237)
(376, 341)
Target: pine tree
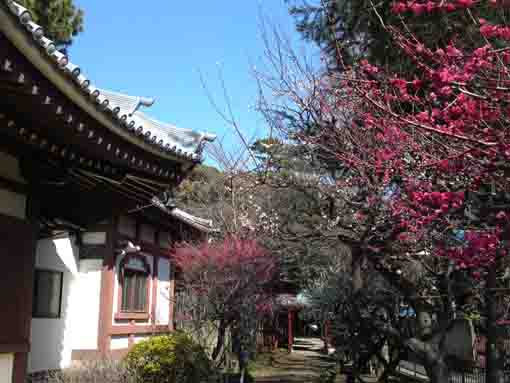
(61, 19)
(358, 28)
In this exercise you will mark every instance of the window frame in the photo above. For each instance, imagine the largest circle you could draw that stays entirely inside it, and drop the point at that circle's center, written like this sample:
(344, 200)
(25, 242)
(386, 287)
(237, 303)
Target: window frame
(130, 313)
(47, 315)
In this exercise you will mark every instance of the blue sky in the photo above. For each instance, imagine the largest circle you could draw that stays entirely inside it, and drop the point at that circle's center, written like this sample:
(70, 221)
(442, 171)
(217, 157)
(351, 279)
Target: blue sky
(156, 48)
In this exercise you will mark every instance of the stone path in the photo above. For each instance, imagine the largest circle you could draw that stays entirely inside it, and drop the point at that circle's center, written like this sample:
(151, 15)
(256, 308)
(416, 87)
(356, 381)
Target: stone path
(305, 364)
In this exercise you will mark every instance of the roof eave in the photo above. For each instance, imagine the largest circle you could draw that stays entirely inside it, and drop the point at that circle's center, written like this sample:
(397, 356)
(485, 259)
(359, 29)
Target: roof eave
(27, 46)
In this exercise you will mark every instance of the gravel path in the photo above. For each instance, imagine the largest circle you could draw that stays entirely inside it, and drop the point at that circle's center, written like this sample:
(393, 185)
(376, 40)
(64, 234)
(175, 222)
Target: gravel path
(304, 364)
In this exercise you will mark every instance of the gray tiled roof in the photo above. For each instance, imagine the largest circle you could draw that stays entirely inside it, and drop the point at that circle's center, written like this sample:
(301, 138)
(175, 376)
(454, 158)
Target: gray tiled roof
(123, 108)
(127, 104)
(182, 140)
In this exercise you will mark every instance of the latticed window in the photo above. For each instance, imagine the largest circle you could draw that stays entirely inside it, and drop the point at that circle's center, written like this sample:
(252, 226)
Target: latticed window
(135, 286)
(134, 291)
(47, 294)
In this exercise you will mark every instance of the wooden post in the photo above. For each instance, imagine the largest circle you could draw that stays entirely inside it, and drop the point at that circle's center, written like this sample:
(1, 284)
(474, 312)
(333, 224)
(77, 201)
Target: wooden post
(107, 288)
(171, 298)
(290, 335)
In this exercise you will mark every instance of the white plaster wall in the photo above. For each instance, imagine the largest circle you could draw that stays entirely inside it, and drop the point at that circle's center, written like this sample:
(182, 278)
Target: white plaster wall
(150, 261)
(139, 338)
(119, 342)
(163, 301)
(6, 364)
(85, 302)
(51, 338)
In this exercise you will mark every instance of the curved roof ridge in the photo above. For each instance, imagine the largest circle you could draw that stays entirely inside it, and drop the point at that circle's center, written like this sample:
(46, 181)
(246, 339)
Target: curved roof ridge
(203, 135)
(169, 125)
(122, 108)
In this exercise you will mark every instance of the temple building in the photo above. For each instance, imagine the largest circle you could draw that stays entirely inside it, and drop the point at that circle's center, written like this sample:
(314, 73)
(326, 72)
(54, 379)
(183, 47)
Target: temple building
(87, 219)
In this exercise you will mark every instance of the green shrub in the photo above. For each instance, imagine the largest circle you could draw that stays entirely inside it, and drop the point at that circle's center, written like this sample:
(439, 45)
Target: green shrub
(173, 358)
(87, 372)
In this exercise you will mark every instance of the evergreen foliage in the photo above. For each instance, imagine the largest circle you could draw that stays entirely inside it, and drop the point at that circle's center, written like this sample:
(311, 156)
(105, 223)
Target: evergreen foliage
(171, 358)
(354, 28)
(61, 20)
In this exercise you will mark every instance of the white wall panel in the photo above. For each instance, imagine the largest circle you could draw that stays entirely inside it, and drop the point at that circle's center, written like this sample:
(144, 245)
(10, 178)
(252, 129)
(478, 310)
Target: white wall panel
(163, 301)
(86, 296)
(119, 342)
(139, 338)
(51, 338)
(6, 365)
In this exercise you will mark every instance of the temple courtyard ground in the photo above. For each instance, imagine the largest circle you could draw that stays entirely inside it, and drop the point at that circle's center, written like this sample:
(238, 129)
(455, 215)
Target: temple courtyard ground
(307, 363)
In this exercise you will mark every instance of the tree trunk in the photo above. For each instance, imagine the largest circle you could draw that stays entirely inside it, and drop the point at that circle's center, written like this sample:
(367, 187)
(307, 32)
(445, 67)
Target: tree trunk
(357, 285)
(439, 371)
(430, 355)
(390, 363)
(356, 263)
(220, 339)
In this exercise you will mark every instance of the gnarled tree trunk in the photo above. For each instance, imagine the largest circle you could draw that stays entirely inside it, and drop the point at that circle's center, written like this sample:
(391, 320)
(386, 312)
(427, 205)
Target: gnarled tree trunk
(220, 341)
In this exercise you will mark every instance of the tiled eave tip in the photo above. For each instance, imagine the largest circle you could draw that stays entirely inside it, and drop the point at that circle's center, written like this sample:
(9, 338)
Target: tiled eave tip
(204, 225)
(201, 224)
(99, 100)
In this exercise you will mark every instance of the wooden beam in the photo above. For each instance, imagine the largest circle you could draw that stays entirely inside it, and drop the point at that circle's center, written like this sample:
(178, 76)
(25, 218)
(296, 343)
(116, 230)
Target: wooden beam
(138, 329)
(107, 291)
(11, 86)
(14, 347)
(154, 287)
(171, 297)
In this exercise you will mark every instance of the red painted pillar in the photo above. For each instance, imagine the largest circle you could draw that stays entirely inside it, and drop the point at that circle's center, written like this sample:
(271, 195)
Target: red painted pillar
(291, 336)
